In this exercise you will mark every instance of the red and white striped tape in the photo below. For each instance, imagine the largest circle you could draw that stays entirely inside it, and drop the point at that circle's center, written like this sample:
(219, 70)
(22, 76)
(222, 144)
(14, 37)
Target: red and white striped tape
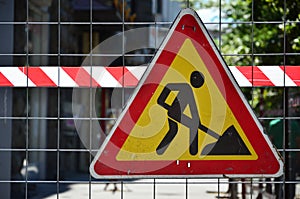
(96, 76)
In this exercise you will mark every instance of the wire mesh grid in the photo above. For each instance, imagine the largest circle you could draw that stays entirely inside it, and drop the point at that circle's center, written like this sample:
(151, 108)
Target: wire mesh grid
(44, 155)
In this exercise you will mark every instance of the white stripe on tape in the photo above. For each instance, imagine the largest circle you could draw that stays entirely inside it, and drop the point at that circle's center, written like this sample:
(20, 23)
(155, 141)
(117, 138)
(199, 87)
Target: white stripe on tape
(277, 76)
(65, 80)
(52, 73)
(137, 71)
(104, 78)
(16, 76)
(239, 77)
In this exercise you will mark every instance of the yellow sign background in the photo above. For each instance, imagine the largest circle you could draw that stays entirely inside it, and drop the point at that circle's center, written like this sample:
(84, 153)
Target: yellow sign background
(213, 110)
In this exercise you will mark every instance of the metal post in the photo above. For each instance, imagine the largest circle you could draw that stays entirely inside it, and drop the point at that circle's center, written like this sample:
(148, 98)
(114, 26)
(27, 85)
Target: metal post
(6, 47)
(286, 145)
(5, 140)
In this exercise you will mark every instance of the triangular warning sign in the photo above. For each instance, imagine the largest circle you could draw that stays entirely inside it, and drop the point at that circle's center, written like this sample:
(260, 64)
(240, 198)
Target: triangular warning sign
(187, 116)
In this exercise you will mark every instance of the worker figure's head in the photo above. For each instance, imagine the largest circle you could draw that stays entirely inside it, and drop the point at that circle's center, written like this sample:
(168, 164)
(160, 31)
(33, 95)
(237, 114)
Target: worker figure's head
(197, 79)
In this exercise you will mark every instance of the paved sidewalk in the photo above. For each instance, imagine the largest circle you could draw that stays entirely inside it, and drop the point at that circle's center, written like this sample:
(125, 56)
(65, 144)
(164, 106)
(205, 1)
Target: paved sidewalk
(142, 189)
(145, 189)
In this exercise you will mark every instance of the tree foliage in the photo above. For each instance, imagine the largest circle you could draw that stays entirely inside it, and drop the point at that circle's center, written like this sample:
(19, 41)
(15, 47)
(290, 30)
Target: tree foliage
(266, 32)
(259, 32)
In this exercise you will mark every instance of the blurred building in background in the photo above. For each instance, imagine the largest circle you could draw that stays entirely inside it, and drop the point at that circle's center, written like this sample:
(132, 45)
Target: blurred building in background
(39, 132)
(60, 33)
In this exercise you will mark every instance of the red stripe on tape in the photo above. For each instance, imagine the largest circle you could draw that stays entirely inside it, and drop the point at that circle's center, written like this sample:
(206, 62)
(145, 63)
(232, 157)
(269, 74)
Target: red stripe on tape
(37, 76)
(80, 76)
(293, 72)
(255, 76)
(4, 81)
(123, 76)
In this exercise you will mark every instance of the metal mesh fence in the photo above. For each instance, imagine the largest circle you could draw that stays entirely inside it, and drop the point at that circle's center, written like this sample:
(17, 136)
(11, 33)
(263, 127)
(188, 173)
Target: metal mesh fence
(48, 137)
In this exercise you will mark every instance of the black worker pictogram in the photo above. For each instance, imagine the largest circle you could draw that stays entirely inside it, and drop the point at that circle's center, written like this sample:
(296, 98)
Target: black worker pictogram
(229, 143)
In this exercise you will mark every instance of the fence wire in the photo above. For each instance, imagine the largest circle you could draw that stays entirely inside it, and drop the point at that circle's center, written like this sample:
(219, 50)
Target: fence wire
(43, 150)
